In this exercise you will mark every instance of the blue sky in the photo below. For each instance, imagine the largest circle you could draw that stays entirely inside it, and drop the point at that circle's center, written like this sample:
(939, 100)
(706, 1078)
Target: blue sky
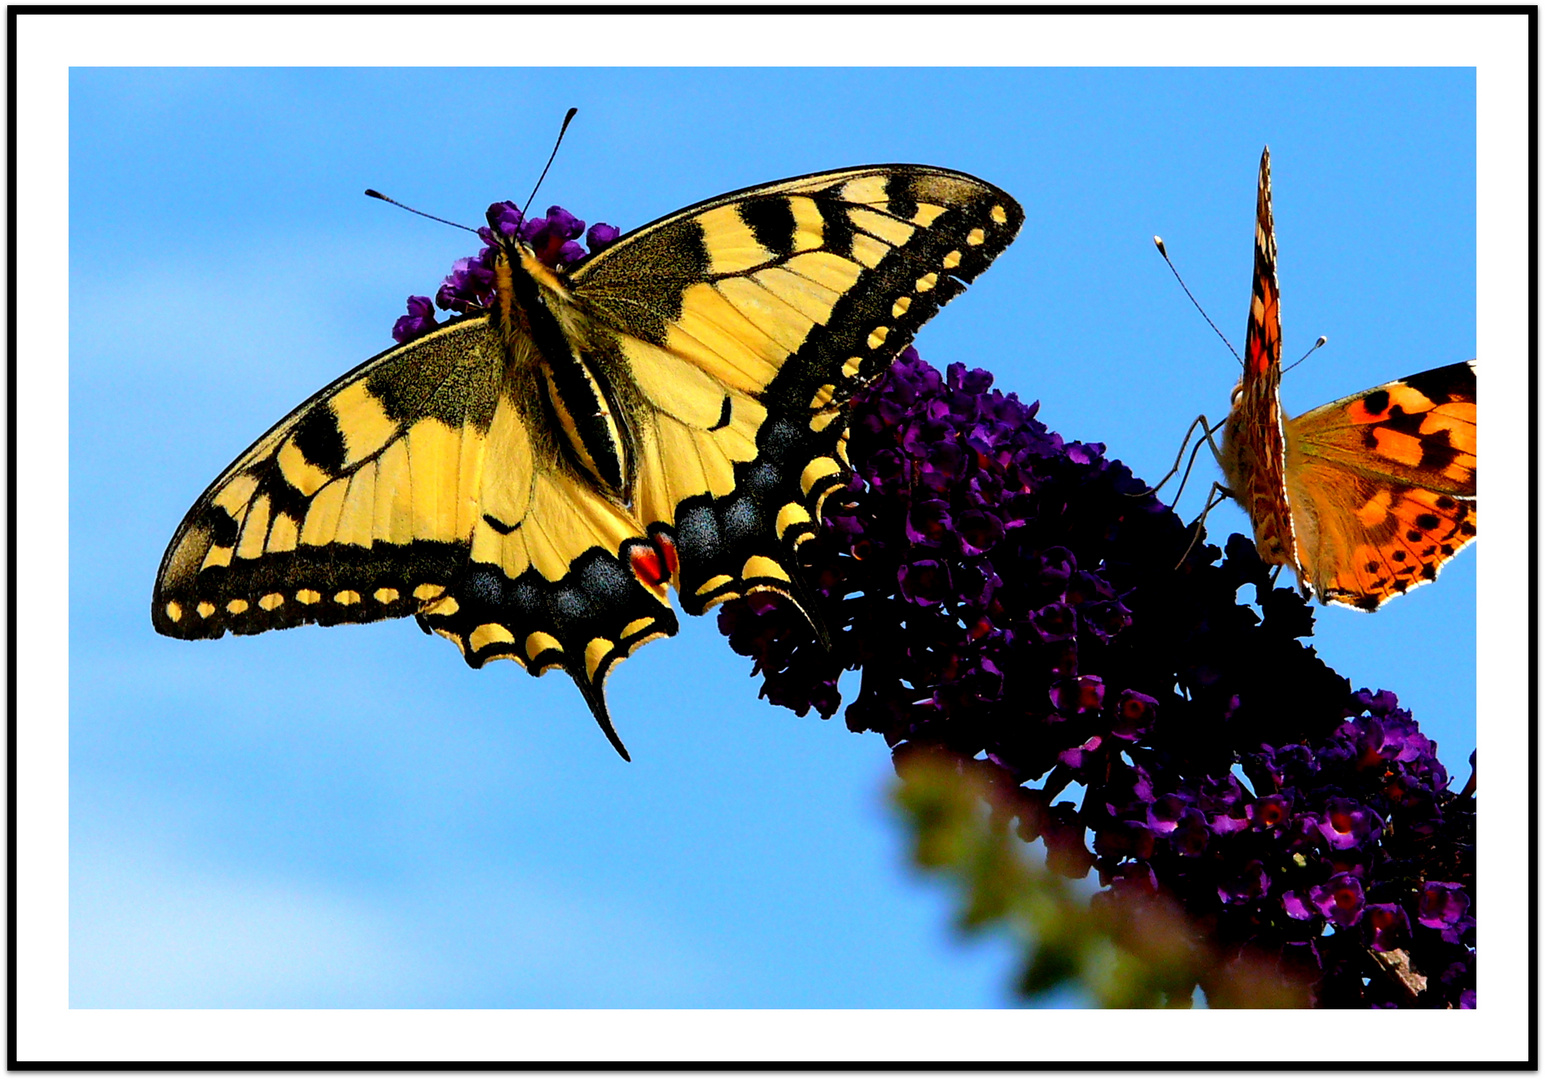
(350, 816)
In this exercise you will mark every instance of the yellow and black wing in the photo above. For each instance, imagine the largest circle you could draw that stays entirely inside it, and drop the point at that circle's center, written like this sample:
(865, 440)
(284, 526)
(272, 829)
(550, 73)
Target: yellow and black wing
(446, 478)
(379, 497)
(352, 508)
(749, 320)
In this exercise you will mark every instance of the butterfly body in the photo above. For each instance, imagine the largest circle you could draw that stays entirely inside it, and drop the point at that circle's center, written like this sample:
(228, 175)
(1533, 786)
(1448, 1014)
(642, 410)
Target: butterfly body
(1364, 498)
(527, 481)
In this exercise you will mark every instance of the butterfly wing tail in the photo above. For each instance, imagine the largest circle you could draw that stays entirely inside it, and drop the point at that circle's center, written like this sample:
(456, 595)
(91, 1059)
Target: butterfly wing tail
(595, 616)
(595, 697)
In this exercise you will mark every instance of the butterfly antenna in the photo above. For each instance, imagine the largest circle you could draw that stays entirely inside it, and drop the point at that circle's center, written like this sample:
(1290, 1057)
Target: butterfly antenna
(1306, 355)
(566, 118)
(374, 194)
(1159, 243)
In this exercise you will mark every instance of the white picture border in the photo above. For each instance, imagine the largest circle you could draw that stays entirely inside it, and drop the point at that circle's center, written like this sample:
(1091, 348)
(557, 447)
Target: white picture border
(47, 46)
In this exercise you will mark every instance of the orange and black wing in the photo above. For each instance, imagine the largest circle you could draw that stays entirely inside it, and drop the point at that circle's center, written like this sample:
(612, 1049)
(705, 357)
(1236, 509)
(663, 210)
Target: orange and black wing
(1383, 485)
(1253, 458)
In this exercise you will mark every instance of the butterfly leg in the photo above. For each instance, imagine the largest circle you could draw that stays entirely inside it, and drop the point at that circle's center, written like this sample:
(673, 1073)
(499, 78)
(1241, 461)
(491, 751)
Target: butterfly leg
(1208, 429)
(1217, 454)
(1217, 494)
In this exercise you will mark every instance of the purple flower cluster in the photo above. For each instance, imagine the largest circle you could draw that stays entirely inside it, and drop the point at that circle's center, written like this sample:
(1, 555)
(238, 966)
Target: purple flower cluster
(1013, 598)
(470, 285)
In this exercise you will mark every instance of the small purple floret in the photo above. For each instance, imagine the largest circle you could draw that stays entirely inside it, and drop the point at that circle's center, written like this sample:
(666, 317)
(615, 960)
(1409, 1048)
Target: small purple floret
(469, 288)
(1345, 823)
(1340, 899)
(1387, 926)
(601, 236)
(1441, 905)
(419, 320)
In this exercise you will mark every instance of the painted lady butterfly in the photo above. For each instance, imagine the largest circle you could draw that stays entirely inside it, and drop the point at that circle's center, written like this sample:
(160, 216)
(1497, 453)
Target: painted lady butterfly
(1366, 497)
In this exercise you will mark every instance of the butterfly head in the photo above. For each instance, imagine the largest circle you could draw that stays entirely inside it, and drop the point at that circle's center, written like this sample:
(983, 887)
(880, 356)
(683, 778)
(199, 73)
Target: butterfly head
(543, 247)
(550, 241)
